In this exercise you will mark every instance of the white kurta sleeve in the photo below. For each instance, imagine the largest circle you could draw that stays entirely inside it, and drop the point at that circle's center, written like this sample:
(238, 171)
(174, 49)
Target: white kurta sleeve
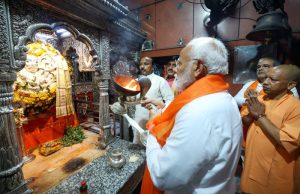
(190, 148)
(239, 97)
(166, 91)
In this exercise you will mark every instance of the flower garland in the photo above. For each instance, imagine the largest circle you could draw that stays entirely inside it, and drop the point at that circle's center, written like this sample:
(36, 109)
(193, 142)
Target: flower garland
(35, 87)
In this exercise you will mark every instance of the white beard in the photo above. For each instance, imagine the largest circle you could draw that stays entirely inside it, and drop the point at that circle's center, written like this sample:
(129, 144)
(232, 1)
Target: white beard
(184, 79)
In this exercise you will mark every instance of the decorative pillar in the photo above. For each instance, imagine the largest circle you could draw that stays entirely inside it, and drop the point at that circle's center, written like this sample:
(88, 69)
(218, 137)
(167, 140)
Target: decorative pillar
(104, 119)
(11, 61)
(104, 70)
(11, 176)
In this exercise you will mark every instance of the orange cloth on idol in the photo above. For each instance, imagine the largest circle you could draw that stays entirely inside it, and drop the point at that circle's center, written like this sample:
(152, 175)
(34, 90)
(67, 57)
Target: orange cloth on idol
(269, 167)
(161, 126)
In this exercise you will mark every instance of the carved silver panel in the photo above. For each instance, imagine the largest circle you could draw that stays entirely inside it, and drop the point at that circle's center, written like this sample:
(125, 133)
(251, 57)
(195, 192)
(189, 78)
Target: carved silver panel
(4, 37)
(105, 51)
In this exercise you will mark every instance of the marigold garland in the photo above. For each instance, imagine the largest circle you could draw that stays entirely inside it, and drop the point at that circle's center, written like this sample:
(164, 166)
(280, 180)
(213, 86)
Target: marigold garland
(35, 87)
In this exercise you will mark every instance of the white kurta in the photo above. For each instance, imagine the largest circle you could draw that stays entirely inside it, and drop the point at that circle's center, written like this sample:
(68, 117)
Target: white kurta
(159, 90)
(239, 97)
(203, 149)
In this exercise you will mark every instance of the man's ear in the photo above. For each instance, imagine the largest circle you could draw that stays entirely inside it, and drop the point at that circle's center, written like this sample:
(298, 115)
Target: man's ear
(199, 69)
(291, 84)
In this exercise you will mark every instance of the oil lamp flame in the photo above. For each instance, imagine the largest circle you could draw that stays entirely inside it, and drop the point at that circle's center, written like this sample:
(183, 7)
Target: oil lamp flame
(131, 85)
(126, 85)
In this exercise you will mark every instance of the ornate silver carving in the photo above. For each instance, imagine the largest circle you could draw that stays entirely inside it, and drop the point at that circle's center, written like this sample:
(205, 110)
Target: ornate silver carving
(105, 52)
(84, 89)
(103, 103)
(116, 6)
(4, 37)
(11, 177)
(105, 135)
(6, 95)
(18, 23)
(11, 171)
(20, 49)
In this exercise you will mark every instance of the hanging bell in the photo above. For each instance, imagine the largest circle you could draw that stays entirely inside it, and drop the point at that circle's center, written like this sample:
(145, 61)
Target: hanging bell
(270, 27)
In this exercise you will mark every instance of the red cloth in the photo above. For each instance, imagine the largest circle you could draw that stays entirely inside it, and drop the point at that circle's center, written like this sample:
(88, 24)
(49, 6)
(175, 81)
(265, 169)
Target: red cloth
(45, 127)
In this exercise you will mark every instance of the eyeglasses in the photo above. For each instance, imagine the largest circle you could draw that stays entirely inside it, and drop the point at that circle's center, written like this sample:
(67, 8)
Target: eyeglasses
(178, 62)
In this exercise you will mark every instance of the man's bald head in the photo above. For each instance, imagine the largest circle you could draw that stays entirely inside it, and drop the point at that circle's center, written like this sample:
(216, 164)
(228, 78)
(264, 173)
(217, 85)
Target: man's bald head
(290, 72)
(280, 79)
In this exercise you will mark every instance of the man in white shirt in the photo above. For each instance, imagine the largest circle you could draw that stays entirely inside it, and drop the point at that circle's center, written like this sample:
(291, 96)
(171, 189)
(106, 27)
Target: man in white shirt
(159, 90)
(194, 145)
(263, 65)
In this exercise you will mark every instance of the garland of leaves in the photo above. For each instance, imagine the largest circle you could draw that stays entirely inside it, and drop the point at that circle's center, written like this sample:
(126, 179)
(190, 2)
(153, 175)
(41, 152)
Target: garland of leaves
(73, 135)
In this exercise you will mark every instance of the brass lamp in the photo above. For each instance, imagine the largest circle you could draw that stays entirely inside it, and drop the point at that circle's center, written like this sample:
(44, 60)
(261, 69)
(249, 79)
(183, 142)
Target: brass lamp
(126, 85)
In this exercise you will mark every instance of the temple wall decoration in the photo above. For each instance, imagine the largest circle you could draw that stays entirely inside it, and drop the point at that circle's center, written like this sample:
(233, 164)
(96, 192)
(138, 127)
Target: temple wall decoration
(22, 22)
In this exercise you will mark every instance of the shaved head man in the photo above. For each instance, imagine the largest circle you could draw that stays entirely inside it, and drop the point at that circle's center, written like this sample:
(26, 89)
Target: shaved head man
(272, 143)
(263, 65)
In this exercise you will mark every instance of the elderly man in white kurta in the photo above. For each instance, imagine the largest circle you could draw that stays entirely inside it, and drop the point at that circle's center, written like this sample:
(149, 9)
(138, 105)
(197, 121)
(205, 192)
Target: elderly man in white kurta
(159, 90)
(194, 145)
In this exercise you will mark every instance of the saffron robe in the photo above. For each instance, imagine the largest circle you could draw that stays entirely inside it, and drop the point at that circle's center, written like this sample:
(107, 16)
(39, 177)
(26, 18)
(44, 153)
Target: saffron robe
(269, 167)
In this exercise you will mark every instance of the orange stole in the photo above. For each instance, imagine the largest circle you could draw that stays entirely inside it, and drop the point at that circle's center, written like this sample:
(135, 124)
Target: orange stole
(162, 125)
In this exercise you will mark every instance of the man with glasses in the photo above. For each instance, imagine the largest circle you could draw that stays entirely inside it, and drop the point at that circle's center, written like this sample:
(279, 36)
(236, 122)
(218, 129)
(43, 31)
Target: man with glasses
(263, 65)
(194, 144)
